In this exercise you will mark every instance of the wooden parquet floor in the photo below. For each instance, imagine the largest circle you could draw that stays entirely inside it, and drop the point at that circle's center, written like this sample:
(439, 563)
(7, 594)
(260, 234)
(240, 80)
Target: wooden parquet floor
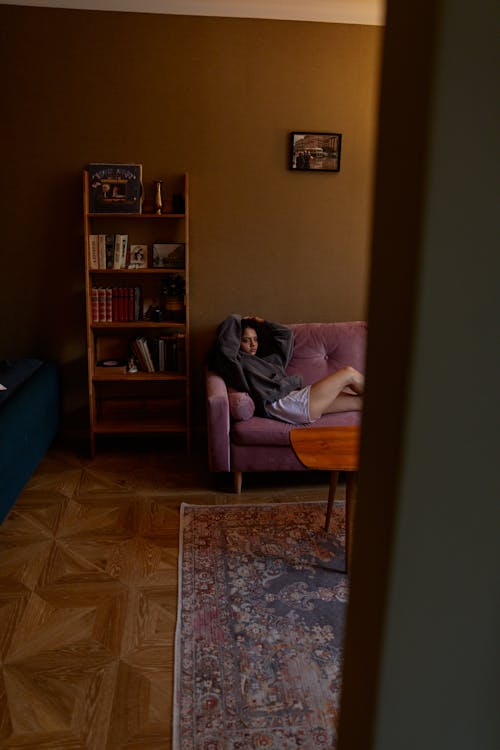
(88, 595)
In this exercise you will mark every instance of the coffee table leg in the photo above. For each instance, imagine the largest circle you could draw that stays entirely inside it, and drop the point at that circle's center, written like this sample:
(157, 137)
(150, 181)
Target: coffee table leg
(331, 497)
(350, 499)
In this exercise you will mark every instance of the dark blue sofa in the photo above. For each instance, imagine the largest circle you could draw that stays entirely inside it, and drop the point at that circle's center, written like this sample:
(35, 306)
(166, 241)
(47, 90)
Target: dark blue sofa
(29, 420)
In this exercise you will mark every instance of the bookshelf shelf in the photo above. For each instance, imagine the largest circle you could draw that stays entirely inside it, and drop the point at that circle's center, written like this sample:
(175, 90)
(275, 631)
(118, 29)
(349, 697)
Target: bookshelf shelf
(128, 377)
(141, 217)
(133, 271)
(138, 324)
(124, 427)
(155, 400)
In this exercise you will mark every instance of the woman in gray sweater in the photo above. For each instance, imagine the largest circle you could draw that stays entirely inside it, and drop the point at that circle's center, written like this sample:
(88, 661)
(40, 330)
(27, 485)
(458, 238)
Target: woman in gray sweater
(252, 354)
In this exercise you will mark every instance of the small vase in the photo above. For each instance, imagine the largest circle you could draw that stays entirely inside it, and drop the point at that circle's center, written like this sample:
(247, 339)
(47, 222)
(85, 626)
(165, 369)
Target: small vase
(174, 308)
(158, 196)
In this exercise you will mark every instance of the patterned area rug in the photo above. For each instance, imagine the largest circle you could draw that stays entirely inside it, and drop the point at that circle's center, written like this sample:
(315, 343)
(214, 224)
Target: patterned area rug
(259, 629)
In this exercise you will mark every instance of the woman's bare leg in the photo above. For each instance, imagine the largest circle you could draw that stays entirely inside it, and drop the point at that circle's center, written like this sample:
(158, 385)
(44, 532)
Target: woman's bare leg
(327, 395)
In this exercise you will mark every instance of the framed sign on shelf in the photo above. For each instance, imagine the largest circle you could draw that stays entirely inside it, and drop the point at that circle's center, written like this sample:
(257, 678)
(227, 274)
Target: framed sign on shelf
(115, 188)
(168, 255)
(138, 256)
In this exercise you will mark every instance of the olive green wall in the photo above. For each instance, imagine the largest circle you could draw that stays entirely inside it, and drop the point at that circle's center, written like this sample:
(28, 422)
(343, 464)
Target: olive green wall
(211, 96)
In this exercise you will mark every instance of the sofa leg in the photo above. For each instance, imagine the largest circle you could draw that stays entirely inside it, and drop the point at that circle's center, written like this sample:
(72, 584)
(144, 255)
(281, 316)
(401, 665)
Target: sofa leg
(238, 479)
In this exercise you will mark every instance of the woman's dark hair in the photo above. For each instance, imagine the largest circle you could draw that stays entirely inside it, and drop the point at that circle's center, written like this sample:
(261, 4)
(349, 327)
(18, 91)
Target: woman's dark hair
(249, 323)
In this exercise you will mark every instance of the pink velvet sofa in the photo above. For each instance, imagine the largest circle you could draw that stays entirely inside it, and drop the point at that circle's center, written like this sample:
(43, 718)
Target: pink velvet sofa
(238, 441)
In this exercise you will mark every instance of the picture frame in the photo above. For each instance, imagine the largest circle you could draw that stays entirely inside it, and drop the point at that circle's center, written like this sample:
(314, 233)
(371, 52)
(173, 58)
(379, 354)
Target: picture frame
(115, 188)
(138, 257)
(314, 152)
(169, 255)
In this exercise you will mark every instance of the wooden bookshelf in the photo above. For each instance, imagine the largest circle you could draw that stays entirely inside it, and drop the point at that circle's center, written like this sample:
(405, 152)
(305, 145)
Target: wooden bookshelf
(143, 402)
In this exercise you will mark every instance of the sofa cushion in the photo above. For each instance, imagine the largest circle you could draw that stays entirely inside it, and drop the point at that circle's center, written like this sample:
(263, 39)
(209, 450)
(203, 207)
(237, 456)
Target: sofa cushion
(323, 348)
(241, 405)
(265, 431)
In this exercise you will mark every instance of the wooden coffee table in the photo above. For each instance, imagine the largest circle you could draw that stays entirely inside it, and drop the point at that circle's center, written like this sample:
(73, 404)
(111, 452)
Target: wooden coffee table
(334, 449)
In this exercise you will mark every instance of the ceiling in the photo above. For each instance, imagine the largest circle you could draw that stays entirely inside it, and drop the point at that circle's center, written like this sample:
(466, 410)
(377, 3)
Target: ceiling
(370, 12)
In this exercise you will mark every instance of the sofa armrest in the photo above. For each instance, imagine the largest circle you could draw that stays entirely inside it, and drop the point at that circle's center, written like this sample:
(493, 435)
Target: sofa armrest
(218, 423)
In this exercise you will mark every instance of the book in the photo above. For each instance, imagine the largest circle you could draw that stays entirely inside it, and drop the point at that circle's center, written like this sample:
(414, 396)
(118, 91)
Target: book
(102, 250)
(161, 354)
(123, 250)
(140, 348)
(115, 188)
(95, 305)
(117, 251)
(94, 251)
(139, 355)
(171, 342)
(110, 250)
(137, 303)
(109, 304)
(119, 293)
(101, 295)
(130, 303)
(152, 344)
(123, 304)
(147, 354)
(125, 313)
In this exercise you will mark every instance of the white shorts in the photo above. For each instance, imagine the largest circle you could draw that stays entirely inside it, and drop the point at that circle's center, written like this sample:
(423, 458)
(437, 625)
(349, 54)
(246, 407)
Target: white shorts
(293, 408)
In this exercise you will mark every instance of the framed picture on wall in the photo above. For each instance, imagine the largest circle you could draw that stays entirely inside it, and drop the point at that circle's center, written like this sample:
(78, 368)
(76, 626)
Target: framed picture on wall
(315, 152)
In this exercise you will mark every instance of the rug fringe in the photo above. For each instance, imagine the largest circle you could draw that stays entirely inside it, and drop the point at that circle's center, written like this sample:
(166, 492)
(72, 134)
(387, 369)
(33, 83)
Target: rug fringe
(177, 637)
(276, 504)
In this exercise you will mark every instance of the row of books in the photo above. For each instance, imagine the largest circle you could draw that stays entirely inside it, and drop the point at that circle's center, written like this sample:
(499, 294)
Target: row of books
(111, 304)
(108, 251)
(161, 353)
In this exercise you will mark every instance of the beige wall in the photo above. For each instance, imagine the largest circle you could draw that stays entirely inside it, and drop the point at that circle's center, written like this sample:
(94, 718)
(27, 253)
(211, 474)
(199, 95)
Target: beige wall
(217, 98)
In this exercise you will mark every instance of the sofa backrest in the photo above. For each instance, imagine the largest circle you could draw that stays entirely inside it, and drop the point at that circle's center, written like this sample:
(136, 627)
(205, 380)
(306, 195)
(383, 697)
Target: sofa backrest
(323, 348)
